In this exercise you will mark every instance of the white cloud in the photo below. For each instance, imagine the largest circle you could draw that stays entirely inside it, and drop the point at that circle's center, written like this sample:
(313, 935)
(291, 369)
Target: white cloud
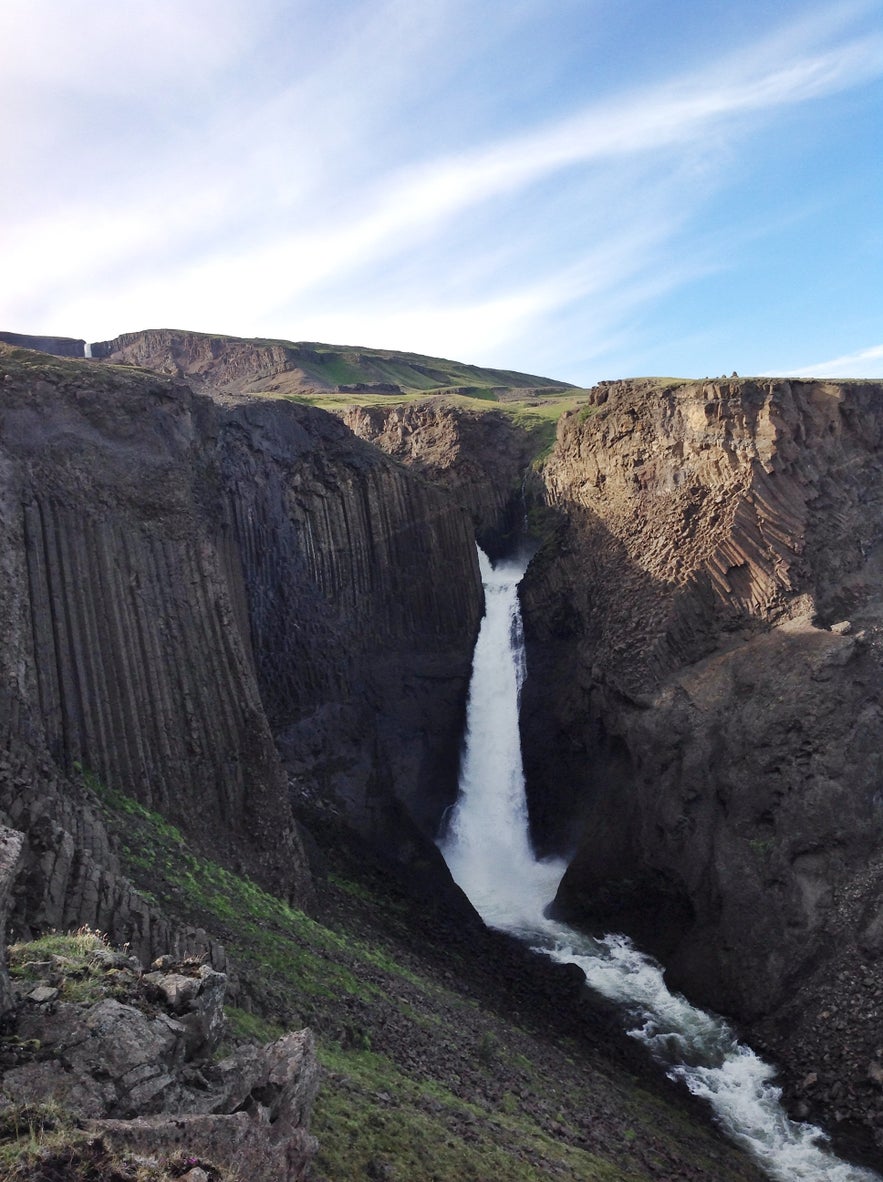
(115, 47)
(307, 201)
(866, 363)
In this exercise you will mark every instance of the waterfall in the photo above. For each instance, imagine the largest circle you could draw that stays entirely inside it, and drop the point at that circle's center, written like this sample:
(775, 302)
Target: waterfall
(487, 848)
(87, 349)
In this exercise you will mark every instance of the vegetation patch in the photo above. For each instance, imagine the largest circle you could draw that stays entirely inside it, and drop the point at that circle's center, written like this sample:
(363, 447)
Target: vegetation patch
(43, 1143)
(77, 964)
(373, 1122)
(429, 1075)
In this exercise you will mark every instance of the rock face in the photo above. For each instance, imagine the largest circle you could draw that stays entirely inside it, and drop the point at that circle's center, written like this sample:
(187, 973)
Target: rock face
(233, 365)
(121, 653)
(705, 704)
(59, 346)
(11, 844)
(216, 604)
(480, 459)
(223, 363)
(363, 598)
(143, 1072)
(181, 580)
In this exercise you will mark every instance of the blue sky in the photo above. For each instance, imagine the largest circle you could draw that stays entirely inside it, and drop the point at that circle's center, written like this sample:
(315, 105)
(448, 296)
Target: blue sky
(585, 189)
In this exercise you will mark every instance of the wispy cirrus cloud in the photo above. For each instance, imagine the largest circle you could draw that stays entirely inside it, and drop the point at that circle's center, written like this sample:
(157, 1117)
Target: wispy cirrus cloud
(865, 363)
(356, 197)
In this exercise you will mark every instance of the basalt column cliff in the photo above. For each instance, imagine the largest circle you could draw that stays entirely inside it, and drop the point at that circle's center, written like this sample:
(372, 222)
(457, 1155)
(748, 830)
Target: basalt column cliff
(704, 715)
(184, 586)
(220, 602)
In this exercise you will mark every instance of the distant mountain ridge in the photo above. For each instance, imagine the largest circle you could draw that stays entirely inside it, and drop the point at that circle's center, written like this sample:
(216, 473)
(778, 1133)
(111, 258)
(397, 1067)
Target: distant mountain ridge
(238, 365)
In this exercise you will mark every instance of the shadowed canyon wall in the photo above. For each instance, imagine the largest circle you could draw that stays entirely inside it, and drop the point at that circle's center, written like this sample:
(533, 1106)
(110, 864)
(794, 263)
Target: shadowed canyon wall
(218, 603)
(181, 580)
(364, 601)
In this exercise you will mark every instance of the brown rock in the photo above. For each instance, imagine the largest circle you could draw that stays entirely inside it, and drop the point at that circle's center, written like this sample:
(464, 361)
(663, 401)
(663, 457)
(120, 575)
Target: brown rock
(691, 711)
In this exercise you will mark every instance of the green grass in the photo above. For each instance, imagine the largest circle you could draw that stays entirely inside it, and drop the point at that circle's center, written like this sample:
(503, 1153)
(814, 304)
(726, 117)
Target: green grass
(41, 1142)
(537, 416)
(418, 1077)
(280, 942)
(250, 1027)
(70, 960)
(425, 1133)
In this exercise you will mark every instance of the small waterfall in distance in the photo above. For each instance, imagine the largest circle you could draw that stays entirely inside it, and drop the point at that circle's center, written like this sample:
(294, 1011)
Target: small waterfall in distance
(487, 848)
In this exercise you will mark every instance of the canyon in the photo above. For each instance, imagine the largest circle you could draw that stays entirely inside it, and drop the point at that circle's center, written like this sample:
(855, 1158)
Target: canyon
(256, 619)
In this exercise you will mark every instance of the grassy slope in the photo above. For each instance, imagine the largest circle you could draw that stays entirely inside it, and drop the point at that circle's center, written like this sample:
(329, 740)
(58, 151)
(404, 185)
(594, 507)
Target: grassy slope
(341, 365)
(429, 1075)
(536, 403)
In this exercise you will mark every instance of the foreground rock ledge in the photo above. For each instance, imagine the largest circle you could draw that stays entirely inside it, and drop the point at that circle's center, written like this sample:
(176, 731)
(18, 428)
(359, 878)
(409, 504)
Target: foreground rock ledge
(140, 1073)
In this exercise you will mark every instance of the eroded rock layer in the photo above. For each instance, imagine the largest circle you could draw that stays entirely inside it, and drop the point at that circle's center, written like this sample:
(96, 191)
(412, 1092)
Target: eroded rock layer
(705, 707)
(478, 458)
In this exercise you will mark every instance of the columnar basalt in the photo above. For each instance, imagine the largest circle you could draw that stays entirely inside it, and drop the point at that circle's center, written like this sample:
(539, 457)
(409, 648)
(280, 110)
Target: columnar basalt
(363, 600)
(705, 705)
(479, 458)
(184, 585)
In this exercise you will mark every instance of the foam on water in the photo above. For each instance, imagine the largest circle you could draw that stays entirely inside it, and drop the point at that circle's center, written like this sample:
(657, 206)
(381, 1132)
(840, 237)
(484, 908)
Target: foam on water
(488, 851)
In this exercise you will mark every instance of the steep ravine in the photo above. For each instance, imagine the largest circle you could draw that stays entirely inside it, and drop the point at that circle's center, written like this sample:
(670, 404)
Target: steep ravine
(702, 725)
(184, 584)
(218, 605)
(480, 458)
(702, 720)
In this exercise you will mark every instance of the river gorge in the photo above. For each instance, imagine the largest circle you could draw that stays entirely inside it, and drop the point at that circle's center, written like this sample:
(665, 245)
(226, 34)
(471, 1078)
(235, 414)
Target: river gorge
(249, 615)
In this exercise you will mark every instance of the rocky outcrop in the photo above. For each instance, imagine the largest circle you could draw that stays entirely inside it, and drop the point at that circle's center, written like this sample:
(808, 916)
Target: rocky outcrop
(227, 364)
(705, 703)
(11, 844)
(478, 458)
(69, 874)
(138, 1065)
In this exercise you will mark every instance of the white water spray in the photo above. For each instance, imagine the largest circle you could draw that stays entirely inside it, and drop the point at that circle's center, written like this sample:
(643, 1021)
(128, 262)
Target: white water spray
(488, 851)
(87, 349)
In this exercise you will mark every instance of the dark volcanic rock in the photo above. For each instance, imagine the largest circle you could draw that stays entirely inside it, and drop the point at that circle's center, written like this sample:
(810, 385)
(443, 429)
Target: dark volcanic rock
(11, 845)
(478, 458)
(144, 1075)
(363, 600)
(705, 700)
(180, 581)
(120, 649)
